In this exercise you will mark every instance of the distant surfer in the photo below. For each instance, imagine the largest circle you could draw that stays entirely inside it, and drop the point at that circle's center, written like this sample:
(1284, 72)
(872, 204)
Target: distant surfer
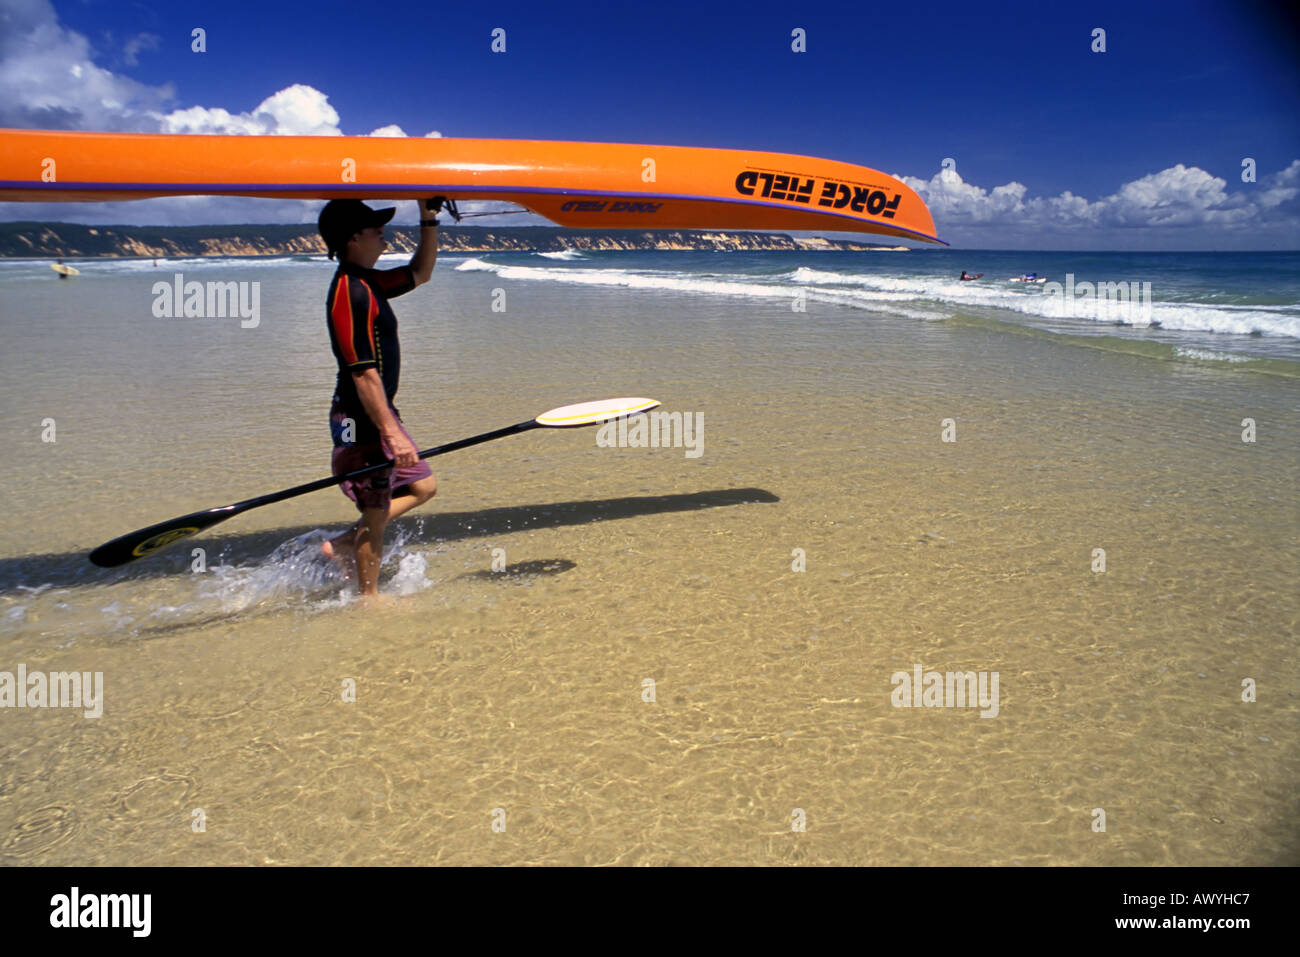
(61, 272)
(365, 426)
(965, 278)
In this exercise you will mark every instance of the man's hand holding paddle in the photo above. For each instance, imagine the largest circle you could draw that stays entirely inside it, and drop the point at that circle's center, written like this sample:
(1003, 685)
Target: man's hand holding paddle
(405, 454)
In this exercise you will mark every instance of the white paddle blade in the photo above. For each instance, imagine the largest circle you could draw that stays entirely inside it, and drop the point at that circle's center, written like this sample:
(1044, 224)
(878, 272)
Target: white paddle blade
(586, 413)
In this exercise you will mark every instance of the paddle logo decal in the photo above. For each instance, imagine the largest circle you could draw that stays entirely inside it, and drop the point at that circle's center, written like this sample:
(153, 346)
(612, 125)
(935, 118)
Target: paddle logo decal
(162, 540)
(831, 195)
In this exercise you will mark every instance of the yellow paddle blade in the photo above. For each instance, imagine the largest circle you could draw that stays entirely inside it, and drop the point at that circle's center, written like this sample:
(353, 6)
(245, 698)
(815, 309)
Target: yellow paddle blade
(585, 413)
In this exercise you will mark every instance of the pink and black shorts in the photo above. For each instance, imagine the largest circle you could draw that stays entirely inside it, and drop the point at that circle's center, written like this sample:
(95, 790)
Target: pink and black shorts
(379, 488)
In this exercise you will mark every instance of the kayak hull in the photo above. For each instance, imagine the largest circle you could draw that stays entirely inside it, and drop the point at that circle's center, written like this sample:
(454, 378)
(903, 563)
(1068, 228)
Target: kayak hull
(590, 185)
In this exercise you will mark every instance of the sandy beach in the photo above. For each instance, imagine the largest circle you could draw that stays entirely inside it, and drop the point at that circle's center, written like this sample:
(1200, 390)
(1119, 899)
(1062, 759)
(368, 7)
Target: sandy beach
(505, 716)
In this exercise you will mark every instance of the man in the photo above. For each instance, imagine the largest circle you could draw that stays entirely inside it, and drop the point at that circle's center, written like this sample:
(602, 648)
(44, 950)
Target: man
(365, 425)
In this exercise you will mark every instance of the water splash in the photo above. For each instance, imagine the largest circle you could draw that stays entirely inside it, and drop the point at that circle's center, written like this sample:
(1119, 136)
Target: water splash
(410, 577)
(296, 569)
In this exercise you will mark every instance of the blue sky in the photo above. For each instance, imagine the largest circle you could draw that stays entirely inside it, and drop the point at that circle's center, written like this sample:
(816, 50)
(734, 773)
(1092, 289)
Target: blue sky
(1054, 145)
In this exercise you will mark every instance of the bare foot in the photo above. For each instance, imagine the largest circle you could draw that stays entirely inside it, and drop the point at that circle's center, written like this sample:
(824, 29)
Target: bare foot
(342, 554)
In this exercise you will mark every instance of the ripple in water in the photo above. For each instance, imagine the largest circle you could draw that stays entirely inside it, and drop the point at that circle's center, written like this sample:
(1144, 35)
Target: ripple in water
(40, 830)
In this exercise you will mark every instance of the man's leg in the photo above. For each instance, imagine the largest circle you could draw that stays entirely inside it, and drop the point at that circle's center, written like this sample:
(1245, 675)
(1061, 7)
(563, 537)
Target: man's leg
(421, 491)
(369, 548)
(345, 548)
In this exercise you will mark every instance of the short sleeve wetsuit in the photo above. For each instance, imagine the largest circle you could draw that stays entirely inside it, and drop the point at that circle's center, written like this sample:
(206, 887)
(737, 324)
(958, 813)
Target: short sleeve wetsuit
(363, 335)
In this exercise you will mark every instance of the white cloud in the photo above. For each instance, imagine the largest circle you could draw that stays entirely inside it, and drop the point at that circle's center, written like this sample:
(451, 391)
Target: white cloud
(48, 79)
(393, 129)
(951, 198)
(141, 41)
(1282, 188)
(298, 110)
(1180, 196)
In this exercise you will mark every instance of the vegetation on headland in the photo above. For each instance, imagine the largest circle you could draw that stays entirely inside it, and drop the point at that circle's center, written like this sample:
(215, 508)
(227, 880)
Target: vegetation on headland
(31, 239)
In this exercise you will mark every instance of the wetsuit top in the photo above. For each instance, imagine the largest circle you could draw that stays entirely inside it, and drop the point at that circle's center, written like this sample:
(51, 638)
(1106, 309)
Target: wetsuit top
(363, 334)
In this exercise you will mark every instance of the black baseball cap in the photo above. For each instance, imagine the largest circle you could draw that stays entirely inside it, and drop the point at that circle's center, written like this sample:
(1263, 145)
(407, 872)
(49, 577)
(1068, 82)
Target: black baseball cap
(342, 218)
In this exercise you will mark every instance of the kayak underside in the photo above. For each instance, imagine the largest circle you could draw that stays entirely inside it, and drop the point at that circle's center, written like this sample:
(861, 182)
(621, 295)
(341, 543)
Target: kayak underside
(591, 185)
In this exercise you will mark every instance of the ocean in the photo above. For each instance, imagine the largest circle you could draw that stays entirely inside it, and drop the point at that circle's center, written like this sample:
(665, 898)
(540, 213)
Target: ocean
(710, 650)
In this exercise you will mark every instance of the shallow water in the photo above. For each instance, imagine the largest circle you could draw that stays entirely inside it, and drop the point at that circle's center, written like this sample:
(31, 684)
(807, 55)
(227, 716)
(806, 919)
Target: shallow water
(523, 690)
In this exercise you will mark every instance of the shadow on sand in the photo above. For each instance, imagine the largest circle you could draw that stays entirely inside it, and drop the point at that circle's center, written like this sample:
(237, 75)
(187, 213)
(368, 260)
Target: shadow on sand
(70, 569)
(536, 568)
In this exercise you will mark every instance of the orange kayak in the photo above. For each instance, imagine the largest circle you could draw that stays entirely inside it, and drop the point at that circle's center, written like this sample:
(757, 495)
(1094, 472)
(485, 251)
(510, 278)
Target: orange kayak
(591, 185)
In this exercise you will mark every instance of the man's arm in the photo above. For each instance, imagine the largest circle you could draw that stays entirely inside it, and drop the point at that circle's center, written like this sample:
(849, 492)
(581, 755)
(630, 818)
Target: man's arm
(427, 252)
(370, 389)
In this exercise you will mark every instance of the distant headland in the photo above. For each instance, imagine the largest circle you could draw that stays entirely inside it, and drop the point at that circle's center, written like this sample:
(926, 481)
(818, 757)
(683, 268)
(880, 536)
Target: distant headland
(32, 239)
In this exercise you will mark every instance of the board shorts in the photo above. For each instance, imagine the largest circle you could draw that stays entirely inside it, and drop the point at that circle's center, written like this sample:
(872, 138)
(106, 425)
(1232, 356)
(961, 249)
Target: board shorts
(379, 488)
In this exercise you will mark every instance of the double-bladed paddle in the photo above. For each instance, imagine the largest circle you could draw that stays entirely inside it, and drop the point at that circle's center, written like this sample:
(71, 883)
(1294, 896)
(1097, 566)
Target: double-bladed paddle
(145, 541)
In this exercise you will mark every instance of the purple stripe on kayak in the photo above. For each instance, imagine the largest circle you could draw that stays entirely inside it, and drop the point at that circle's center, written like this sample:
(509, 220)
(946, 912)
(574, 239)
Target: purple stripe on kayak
(377, 190)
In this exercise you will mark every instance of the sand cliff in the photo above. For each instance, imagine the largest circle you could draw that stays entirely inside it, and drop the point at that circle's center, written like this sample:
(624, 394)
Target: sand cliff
(28, 239)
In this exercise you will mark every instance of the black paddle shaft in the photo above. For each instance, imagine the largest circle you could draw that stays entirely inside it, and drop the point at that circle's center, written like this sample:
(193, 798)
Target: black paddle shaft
(145, 541)
(336, 479)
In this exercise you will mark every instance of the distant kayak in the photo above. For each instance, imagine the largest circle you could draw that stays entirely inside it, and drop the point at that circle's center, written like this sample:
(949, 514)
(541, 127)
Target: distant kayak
(63, 270)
